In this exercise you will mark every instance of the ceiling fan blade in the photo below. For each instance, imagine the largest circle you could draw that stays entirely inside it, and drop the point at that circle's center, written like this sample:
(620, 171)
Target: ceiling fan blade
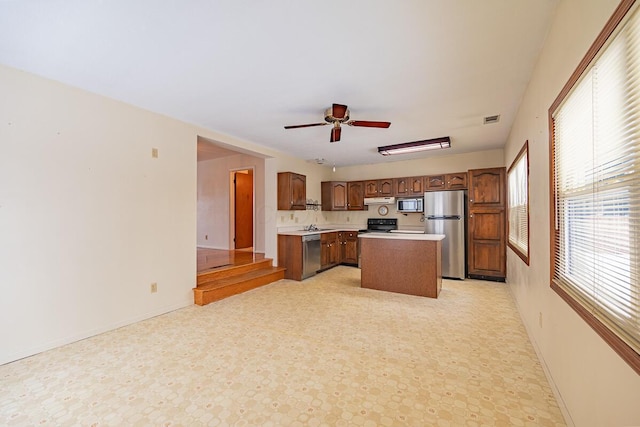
(339, 111)
(368, 124)
(305, 126)
(335, 134)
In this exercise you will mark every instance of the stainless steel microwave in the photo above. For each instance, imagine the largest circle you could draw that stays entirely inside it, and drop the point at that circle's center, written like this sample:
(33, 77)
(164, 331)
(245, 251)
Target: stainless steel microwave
(410, 205)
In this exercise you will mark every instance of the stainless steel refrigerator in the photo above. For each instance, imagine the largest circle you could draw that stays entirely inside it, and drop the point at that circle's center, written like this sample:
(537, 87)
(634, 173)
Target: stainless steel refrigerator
(444, 213)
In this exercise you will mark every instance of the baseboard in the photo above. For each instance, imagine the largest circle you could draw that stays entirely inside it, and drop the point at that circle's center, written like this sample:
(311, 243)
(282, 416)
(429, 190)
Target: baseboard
(547, 373)
(91, 333)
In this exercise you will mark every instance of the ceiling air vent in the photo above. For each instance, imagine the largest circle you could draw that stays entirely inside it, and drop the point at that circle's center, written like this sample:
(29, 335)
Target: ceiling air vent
(492, 119)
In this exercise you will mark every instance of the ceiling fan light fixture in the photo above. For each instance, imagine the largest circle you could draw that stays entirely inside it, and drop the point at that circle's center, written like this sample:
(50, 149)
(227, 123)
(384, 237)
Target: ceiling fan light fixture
(416, 146)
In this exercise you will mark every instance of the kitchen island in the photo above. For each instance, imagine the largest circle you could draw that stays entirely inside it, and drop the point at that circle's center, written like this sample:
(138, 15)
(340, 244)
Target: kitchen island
(404, 263)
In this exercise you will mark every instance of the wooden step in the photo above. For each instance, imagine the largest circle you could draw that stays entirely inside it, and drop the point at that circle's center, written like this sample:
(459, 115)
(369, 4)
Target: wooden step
(235, 284)
(232, 270)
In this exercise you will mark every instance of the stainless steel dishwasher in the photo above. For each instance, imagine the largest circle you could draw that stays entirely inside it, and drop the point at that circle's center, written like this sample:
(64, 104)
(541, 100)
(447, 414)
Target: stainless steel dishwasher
(310, 255)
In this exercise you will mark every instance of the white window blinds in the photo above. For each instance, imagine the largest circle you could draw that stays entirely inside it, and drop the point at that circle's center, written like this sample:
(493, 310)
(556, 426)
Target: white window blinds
(518, 184)
(597, 187)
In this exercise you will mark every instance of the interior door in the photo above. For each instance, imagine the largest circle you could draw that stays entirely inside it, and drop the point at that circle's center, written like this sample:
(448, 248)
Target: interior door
(243, 184)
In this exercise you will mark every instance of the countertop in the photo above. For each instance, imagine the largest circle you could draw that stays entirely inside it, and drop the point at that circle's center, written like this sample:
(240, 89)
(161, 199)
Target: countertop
(320, 231)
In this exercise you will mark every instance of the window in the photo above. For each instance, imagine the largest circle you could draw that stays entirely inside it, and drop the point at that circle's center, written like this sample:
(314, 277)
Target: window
(518, 204)
(595, 158)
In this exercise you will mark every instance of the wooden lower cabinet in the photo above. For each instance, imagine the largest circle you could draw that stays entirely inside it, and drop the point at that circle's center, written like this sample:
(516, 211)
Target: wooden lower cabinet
(329, 250)
(348, 247)
(290, 256)
(487, 244)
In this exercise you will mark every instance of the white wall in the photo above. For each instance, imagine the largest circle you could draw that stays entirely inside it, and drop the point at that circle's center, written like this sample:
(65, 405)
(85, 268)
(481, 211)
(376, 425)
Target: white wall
(214, 200)
(88, 219)
(597, 387)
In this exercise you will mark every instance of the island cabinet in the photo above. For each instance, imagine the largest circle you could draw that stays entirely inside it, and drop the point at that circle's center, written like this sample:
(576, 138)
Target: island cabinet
(417, 272)
(411, 186)
(292, 191)
(329, 250)
(342, 196)
(378, 188)
(486, 249)
(348, 241)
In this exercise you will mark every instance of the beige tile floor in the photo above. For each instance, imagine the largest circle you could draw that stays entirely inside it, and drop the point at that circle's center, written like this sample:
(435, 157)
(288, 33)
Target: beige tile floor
(322, 352)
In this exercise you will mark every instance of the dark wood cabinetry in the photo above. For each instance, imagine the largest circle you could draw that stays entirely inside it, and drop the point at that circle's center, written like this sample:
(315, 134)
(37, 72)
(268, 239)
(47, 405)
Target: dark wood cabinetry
(290, 256)
(449, 181)
(355, 196)
(411, 186)
(456, 181)
(292, 191)
(330, 250)
(342, 196)
(378, 188)
(434, 182)
(334, 196)
(348, 247)
(487, 223)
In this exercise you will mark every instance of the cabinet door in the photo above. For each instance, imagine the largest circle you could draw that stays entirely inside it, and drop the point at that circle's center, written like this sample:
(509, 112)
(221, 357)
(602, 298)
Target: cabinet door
(402, 186)
(416, 187)
(487, 244)
(355, 196)
(456, 181)
(487, 187)
(385, 187)
(292, 191)
(339, 196)
(330, 250)
(434, 182)
(350, 248)
(371, 188)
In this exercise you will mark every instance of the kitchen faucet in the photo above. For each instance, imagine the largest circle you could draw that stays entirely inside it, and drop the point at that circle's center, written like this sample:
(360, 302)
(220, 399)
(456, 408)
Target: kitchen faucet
(312, 227)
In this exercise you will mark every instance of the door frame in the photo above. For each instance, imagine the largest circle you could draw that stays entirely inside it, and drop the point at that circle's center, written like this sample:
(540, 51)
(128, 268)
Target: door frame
(232, 205)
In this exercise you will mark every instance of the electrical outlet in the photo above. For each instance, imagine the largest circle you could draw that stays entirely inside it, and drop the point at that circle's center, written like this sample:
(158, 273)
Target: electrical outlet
(348, 219)
(206, 237)
(154, 288)
(540, 319)
(291, 216)
(281, 218)
(154, 153)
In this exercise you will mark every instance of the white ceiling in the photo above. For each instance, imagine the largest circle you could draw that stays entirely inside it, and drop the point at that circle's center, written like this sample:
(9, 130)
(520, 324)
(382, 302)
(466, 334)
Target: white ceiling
(432, 68)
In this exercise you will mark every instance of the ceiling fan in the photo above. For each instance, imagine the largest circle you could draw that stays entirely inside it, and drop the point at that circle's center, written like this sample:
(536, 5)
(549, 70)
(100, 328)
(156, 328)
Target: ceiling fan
(337, 115)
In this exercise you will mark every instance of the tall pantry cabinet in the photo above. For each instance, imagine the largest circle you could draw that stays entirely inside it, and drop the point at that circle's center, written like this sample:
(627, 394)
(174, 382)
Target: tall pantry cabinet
(487, 248)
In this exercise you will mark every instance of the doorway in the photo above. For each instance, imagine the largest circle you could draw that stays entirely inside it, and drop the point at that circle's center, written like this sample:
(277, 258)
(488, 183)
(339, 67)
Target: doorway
(242, 203)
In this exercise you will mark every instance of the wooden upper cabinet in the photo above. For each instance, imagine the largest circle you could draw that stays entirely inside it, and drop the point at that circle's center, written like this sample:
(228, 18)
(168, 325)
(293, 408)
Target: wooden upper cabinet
(411, 186)
(334, 195)
(487, 187)
(292, 191)
(379, 188)
(355, 196)
(456, 181)
(434, 182)
(342, 196)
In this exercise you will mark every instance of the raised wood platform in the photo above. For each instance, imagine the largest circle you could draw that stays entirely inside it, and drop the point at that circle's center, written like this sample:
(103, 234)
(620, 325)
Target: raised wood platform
(236, 272)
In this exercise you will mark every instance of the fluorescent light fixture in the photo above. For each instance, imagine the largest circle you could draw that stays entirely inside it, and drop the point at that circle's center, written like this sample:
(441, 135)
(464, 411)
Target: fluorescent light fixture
(415, 146)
